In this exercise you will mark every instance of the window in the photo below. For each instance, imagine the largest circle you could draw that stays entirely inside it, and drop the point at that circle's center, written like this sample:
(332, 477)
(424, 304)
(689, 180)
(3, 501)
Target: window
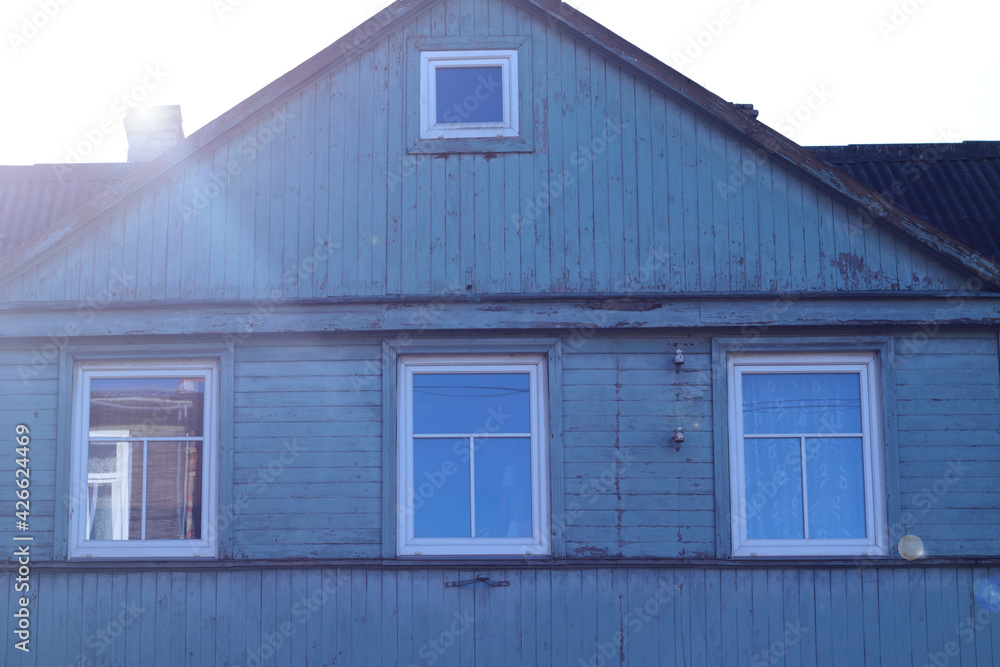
(144, 460)
(805, 456)
(472, 456)
(468, 94)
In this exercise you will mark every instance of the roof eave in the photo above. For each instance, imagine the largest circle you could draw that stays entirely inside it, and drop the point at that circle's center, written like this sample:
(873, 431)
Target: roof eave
(573, 21)
(773, 142)
(380, 24)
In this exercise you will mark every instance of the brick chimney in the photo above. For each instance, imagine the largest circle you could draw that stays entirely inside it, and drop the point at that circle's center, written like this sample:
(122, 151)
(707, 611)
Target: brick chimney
(152, 131)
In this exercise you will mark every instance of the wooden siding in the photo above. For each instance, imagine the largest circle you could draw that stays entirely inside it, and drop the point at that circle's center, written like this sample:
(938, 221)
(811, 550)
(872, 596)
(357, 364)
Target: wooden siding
(627, 190)
(948, 404)
(602, 616)
(308, 451)
(307, 445)
(29, 384)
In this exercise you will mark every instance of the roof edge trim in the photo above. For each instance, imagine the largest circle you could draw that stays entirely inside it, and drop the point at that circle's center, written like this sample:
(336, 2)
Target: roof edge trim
(870, 202)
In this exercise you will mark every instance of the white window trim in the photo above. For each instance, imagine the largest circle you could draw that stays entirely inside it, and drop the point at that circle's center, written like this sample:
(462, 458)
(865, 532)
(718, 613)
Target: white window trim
(866, 365)
(431, 60)
(536, 545)
(120, 486)
(82, 548)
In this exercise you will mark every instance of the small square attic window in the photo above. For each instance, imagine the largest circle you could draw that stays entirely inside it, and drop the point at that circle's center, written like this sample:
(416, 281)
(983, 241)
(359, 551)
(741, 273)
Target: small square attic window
(468, 94)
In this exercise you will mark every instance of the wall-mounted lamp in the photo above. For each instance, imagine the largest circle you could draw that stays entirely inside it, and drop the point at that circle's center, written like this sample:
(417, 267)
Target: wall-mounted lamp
(678, 359)
(678, 438)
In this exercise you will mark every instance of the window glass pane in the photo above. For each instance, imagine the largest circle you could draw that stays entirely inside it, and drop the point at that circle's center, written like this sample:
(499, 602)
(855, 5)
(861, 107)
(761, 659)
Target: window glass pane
(503, 487)
(773, 488)
(101, 521)
(835, 478)
(114, 491)
(801, 403)
(471, 403)
(441, 492)
(469, 94)
(147, 407)
(173, 491)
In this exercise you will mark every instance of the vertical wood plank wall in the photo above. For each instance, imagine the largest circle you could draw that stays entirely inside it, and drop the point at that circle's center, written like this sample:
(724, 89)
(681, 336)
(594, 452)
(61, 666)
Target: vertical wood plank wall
(629, 616)
(626, 189)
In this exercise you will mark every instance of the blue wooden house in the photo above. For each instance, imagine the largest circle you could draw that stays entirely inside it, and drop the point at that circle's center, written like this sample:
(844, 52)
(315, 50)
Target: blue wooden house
(485, 338)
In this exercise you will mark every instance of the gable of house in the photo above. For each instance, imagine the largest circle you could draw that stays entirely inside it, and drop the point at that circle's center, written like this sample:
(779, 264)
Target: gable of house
(624, 187)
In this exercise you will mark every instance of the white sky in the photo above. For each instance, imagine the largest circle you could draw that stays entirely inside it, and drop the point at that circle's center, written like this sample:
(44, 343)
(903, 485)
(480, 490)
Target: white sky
(874, 71)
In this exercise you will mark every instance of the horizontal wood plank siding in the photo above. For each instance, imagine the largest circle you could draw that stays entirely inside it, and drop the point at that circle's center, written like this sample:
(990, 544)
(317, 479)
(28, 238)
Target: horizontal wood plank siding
(641, 616)
(626, 189)
(29, 383)
(307, 451)
(307, 448)
(948, 406)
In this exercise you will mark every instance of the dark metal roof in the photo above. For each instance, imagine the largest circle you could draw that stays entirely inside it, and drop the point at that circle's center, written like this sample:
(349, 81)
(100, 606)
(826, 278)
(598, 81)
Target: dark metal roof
(955, 187)
(34, 197)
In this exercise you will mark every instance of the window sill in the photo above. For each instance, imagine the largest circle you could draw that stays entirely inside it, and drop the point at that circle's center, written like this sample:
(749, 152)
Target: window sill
(94, 550)
(470, 145)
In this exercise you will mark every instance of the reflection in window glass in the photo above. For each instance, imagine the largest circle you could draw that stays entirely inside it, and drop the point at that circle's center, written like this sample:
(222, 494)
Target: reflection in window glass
(503, 487)
(473, 467)
(774, 488)
(835, 470)
(440, 498)
(469, 94)
(144, 490)
(144, 477)
(147, 407)
(801, 403)
(471, 403)
(804, 437)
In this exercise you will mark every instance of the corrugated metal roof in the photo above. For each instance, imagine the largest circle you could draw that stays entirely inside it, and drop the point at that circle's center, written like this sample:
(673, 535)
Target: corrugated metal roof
(36, 196)
(955, 187)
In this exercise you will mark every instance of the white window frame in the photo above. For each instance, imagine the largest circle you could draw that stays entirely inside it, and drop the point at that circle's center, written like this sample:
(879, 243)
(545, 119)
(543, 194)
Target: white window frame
(80, 547)
(538, 544)
(866, 365)
(120, 488)
(430, 61)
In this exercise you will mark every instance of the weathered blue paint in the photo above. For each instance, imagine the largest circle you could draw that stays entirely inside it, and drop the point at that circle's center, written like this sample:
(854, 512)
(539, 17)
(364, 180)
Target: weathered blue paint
(325, 174)
(312, 411)
(289, 246)
(641, 615)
